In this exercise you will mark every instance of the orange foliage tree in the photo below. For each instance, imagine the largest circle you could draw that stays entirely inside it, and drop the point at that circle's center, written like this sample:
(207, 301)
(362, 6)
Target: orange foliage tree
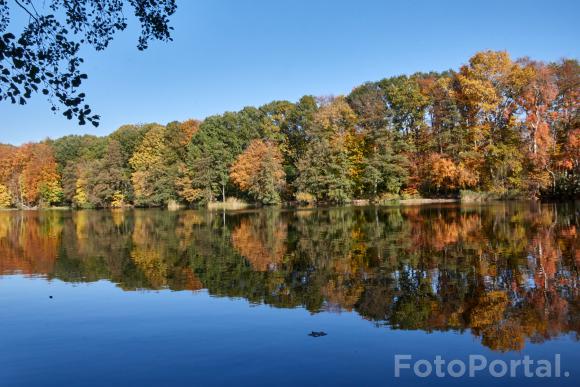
(536, 101)
(258, 171)
(443, 175)
(29, 173)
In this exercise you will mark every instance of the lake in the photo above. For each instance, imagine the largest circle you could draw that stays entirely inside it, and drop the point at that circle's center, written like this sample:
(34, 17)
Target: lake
(278, 297)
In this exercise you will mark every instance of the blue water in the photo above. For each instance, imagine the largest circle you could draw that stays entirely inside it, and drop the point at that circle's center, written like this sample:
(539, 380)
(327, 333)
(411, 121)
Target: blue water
(94, 334)
(194, 298)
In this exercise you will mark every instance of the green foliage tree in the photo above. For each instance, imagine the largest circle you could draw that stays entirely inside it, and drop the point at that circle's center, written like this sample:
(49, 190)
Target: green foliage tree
(406, 105)
(384, 171)
(129, 138)
(214, 147)
(324, 173)
(109, 180)
(73, 154)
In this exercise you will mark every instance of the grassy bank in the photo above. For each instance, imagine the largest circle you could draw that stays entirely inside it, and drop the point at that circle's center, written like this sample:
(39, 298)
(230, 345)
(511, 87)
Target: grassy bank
(229, 204)
(233, 204)
(467, 196)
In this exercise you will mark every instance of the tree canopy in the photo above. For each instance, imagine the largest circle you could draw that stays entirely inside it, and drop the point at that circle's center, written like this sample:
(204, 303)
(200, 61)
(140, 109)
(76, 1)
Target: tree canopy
(45, 58)
(497, 125)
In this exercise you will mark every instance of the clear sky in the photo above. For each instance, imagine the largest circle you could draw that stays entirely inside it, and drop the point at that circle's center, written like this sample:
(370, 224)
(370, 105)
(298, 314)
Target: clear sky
(228, 54)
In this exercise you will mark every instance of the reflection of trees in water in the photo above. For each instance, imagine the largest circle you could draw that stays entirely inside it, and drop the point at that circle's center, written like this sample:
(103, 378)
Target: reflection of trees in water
(158, 250)
(147, 252)
(507, 272)
(29, 241)
(261, 239)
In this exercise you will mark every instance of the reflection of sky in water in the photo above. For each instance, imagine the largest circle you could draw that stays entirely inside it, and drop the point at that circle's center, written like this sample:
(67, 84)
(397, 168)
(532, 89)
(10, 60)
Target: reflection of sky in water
(434, 276)
(96, 334)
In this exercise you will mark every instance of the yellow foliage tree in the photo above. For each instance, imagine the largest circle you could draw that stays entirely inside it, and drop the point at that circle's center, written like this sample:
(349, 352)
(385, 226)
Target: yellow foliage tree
(81, 199)
(118, 200)
(149, 167)
(5, 197)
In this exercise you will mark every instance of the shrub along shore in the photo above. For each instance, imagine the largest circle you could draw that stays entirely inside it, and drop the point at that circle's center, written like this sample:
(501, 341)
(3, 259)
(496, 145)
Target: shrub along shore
(496, 128)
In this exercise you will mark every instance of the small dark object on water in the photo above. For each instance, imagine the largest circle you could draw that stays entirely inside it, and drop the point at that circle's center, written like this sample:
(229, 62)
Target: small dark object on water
(317, 334)
(49, 296)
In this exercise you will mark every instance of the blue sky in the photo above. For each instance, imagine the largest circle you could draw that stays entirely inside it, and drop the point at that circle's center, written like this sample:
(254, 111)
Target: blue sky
(228, 54)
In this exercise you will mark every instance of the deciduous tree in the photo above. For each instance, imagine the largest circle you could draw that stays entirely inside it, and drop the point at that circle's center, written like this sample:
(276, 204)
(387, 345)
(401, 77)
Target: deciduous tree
(258, 171)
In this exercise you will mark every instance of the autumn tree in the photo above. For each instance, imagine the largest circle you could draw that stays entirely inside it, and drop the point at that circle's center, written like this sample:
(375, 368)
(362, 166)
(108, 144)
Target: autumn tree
(384, 164)
(129, 138)
(5, 197)
(406, 108)
(536, 100)
(30, 174)
(448, 135)
(10, 168)
(566, 129)
(333, 162)
(154, 169)
(442, 175)
(487, 90)
(73, 155)
(212, 151)
(109, 182)
(258, 171)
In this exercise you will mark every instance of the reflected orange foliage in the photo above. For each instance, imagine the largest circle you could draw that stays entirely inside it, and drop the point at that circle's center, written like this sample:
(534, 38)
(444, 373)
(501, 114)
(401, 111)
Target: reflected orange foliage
(263, 253)
(28, 243)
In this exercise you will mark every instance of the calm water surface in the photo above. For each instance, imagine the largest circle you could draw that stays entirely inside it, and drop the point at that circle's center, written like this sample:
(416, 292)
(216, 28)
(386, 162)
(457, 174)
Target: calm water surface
(151, 297)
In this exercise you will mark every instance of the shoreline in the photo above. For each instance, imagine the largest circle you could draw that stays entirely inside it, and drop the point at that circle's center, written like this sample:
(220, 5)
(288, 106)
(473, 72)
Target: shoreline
(287, 205)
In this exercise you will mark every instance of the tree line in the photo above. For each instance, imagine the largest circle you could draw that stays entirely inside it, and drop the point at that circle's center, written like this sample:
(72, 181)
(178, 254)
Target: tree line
(497, 125)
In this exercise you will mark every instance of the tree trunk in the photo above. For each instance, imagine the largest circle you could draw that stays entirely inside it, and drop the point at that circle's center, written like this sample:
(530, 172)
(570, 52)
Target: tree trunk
(553, 179)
